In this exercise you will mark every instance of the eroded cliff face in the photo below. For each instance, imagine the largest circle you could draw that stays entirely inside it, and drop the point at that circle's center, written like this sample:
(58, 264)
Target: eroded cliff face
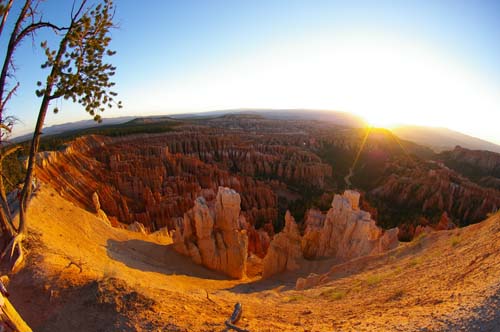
(344, 233)
(275, 165)
(483, 167)
(137, 178)
(430, 189)
(484, 162)
(155, 178)
(284, 253)
(212, 234)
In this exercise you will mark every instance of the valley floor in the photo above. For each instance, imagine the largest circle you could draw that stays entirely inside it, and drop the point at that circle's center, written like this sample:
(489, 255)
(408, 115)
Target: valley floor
(83, 275)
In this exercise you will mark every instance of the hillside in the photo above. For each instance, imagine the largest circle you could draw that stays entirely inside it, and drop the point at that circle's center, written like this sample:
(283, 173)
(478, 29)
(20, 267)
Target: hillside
(83, 275)
(443, 138)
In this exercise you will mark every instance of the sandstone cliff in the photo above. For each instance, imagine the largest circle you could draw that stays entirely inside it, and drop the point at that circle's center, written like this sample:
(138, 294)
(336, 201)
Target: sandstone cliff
(345, 232)
(284, 252)
(483, 167)
(137, 178)
(99, 212)
(430, 189)
(213, 235)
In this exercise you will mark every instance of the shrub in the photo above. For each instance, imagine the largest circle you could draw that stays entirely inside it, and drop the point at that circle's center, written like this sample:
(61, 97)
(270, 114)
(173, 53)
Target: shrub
(374, 279)
(455, 240)
(333, 294)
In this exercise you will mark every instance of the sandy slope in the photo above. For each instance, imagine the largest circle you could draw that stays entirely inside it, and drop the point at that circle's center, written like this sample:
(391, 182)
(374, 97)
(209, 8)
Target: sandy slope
(131, 282)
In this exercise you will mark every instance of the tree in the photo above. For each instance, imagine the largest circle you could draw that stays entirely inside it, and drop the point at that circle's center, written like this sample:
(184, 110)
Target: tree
(78, 72)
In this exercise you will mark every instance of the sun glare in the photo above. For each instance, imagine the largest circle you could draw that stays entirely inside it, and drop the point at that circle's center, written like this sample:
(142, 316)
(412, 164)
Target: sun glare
(378, 121)
(386, 83)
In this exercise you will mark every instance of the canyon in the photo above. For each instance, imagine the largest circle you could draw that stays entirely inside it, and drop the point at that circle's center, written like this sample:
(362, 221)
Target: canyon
(170, 229)
(275, 166)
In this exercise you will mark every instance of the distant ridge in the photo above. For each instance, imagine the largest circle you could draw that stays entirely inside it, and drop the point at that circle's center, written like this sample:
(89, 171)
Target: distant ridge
(441, 139)
(336, 117)
(69, 126)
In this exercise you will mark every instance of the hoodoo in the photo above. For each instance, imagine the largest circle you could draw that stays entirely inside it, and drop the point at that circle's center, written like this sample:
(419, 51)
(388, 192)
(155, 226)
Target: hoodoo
(212, 234)
(345, 232)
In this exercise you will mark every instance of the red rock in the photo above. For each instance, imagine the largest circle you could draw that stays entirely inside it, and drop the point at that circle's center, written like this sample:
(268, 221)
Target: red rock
(212, 235)
(284, 252)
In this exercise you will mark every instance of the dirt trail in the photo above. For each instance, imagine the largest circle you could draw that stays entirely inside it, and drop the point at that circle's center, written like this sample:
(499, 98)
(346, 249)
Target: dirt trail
(133, 282)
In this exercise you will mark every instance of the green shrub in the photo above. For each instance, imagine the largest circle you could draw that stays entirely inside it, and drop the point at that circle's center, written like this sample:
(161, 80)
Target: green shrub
(333, 294)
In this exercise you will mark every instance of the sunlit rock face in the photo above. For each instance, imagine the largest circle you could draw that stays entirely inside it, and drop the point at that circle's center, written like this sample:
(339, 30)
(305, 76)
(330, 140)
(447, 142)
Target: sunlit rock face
(445, 223)
(155, 178)
(284, 253)
(211, 234)
(138, 178)
(432, 189)
(97, 207)
(345, 232)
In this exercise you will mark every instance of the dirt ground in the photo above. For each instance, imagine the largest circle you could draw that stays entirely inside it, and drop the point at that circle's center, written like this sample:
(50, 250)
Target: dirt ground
(83, 275)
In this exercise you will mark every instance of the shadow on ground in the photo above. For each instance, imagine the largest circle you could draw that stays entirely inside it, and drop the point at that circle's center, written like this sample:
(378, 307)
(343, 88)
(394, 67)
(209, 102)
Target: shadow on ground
(152, 257)
(285, 280)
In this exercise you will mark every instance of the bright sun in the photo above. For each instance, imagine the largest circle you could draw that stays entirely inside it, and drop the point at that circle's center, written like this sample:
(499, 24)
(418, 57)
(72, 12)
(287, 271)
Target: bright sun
(380, 121)
(387, 83)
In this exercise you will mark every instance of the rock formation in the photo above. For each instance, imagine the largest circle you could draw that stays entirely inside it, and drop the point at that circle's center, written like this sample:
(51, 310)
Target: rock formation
(137, 227)
(445, 223)
(345, 232)
(212, 234)
(284, 252)
(432, 189)
(155, 178)
(97, 206)
(258, 241)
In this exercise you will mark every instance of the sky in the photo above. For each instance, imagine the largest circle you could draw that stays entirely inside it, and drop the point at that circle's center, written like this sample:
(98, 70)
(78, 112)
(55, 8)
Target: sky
(434, 63)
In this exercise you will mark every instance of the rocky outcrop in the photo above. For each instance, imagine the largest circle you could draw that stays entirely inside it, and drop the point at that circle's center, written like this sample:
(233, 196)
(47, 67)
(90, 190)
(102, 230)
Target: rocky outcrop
(155, 178)
(479, 161)
(445, 223)
(137, 227)
(482, 167)
(346, 232)
(311, 281)
(284, 252)
(97, 207)
(430, 189)
(211, 234)
(138, 178)
(258, 241)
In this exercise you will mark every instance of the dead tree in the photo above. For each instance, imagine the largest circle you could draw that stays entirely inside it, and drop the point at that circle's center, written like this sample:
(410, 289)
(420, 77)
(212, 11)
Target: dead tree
(78, 72)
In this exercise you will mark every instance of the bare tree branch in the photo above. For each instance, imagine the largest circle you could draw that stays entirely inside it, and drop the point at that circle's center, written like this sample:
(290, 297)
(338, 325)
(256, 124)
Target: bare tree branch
(75, 16)
(7, 179)
(10, 94)
(8, 151)
(10, 51)
(5, 14)
(34, 26)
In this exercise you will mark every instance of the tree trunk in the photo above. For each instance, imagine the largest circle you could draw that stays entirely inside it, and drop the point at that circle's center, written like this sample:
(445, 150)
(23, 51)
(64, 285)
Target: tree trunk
(9, 317)
(8, 231)
(35, 143)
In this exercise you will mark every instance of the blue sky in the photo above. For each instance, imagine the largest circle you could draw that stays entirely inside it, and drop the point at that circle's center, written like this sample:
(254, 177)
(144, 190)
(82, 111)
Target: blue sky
(424, 62)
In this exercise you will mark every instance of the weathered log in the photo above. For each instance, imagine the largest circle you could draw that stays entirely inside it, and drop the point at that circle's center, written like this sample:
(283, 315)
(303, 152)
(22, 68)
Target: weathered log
(235, 317)
(9, 316)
